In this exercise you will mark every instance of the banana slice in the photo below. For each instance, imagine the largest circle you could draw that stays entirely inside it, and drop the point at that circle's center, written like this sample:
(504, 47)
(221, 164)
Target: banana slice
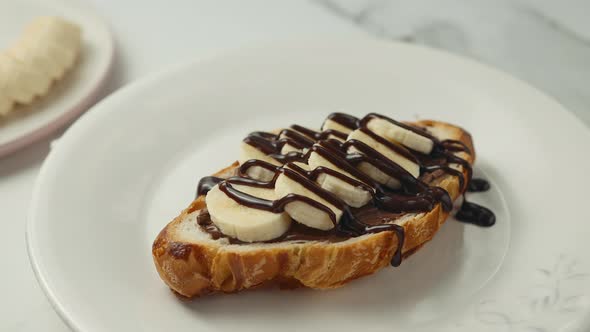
(409, 165)
(331, 124)
(46, 49)
(32, 80)
(305, 132)
(289, 148)
(316, 160)
(14, 82)
(259, 170)
(10, 81)
(303, 212)
(248, 152)
(341, 138)
(63, 58)
(260, 173)
(59, 31)
(396, 133)
(242, 222)
(298, 139)
(56, 41)
(298, 167)
(379, 177)
(355, 196)
(42, 57)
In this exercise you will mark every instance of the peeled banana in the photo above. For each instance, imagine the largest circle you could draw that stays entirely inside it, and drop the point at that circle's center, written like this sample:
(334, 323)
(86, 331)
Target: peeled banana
(47, 49)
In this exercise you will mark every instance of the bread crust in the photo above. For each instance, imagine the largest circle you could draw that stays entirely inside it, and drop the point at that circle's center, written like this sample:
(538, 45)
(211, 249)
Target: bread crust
(195, 268)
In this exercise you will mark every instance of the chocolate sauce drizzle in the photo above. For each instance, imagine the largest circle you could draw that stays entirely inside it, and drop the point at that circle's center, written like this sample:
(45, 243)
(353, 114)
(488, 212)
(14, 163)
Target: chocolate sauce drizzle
(474, 213)
(206, 183)
(413, 194)
(478, 185)
(346, 120)
(278, 206)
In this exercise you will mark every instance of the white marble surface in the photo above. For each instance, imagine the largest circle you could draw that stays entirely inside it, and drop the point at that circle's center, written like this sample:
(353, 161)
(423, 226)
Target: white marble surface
(544, 42)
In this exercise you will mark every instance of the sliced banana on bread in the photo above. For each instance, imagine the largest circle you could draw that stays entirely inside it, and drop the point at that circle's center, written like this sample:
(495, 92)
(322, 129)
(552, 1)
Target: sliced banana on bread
(334, 206)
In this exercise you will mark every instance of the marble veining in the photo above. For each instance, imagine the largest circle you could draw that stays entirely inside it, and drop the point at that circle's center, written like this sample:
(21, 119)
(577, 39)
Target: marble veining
(538, 41)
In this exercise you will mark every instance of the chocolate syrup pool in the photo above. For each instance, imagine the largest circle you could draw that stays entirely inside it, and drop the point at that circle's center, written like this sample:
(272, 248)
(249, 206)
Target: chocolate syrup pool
(474, 213)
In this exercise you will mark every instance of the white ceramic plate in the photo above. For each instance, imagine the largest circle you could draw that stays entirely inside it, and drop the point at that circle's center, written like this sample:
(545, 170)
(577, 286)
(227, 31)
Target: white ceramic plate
(132, 163)
(76, 91)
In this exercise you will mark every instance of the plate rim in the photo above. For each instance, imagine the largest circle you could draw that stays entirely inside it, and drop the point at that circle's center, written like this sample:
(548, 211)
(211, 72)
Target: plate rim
(99, 109)
(78, 108)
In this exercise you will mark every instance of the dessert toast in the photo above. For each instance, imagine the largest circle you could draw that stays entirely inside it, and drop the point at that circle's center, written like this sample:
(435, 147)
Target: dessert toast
(197, 253)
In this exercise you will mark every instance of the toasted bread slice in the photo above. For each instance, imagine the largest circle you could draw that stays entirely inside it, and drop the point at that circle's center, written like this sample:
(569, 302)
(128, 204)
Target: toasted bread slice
(192, 264)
